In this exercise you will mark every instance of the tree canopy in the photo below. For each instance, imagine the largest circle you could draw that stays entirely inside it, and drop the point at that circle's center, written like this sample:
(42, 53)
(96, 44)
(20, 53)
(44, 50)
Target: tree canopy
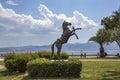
(112, 25)
(100, 38)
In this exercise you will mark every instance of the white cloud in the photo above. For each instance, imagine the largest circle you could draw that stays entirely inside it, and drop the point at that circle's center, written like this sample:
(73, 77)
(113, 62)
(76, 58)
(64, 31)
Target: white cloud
(10, 2)
(14, 23)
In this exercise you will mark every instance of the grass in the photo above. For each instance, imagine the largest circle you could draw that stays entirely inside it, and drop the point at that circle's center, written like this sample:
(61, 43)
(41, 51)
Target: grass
(101, 70)
(1, 63)
(92, 70)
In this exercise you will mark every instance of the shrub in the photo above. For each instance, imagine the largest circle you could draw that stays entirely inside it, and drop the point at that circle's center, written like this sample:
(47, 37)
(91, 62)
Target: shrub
(11, 65)
(55, 56)
(64, 55)
(44, 54)
(40, 54)
(18, 61)
(21, 61)
(35, 67)
(33, 55)
(74, 67)
(47, 54)
(47, 68)
(10, 55)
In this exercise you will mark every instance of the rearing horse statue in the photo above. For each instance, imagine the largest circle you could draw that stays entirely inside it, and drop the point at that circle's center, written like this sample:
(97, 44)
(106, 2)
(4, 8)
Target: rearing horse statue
(64, 37)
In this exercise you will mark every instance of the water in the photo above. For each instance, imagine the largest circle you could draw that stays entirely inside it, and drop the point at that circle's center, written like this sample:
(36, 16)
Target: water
(84, 51)
(93, 52)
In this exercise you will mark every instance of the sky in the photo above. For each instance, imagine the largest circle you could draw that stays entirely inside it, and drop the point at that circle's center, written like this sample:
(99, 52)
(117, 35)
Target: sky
(39, 22)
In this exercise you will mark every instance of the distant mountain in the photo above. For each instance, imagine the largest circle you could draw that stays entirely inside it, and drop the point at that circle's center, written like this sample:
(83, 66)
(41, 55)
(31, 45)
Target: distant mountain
(25, 48)
(90, 46)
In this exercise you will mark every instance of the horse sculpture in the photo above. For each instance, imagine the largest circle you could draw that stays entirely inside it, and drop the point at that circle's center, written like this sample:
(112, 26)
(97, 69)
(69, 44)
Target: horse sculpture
(64, 37)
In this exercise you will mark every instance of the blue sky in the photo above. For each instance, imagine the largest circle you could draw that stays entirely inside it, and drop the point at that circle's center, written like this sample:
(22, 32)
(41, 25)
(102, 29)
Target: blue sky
(38, 22)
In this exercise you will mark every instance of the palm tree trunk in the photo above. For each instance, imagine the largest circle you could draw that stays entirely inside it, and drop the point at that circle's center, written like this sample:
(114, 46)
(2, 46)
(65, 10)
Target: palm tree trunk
(102, 51)
(118, 43)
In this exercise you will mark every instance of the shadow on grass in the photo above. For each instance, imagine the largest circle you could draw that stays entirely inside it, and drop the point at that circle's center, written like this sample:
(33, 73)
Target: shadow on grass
(49, 78)
(25, 76)
(111, 75)
(5, 72)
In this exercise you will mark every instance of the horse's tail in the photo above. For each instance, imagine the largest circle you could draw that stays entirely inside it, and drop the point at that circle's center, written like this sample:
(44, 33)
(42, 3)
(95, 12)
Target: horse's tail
(52, 49)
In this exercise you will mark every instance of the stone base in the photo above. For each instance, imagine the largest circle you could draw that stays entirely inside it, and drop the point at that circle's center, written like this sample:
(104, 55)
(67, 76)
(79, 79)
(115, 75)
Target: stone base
(59, 60)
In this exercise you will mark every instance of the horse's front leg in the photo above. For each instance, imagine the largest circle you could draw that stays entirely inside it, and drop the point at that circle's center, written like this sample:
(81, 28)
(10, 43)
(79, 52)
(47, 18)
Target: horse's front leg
(75, 29)
(52, 48)
(75, 35)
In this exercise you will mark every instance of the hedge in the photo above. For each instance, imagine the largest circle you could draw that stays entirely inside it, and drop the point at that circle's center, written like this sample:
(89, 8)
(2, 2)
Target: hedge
(19, 61)
(10, 55)
(22, 60)
(11, 65)
(47, 68)
(47, 54)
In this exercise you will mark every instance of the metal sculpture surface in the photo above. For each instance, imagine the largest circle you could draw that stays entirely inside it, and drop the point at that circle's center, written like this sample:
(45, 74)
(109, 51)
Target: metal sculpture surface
(64, 37)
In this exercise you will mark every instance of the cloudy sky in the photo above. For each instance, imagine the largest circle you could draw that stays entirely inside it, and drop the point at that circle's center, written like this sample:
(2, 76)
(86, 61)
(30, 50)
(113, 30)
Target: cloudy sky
(39, 22)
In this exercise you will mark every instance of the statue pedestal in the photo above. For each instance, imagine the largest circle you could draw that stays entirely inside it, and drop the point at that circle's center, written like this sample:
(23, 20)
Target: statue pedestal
(59, 60)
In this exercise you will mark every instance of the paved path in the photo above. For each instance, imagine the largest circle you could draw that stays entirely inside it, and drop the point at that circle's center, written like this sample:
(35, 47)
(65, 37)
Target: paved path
(90, 59)
(1, 66)
(1, 59)
(99, 60)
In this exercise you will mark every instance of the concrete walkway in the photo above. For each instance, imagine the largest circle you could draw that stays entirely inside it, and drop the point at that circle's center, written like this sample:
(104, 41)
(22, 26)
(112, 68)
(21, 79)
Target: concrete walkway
(1, 66)
(99, 59)
(1, 59)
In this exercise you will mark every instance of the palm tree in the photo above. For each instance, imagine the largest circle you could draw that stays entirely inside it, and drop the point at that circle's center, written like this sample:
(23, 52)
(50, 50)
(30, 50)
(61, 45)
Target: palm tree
(100, 38)
(115, 36)
(112, 25)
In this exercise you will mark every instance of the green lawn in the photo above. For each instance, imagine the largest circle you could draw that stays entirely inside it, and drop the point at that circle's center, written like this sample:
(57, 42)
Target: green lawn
(92, 70)
(101, 70)
(1, 63)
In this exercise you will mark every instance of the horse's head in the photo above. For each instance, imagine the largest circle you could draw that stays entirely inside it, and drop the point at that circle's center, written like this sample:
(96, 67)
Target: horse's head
(65, 24)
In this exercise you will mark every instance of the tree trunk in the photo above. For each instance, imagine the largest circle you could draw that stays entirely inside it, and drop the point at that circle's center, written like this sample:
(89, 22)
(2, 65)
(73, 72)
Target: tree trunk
(118, 43)
(102, 51)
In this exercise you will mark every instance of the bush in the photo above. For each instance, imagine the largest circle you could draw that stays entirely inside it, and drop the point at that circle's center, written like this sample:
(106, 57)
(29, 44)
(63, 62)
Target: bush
(44, 54)
(18, 61)
(34, 70)
(47, 68)
(11, 65)
(55, 56)
(10, 55)
(64, 55)
(40, 54)
(47, 54)
(33, 55)
(21, 61)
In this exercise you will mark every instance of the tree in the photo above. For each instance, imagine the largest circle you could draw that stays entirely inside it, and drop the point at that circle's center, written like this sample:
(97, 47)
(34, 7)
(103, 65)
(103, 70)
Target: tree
(112, 25)
(100, 38)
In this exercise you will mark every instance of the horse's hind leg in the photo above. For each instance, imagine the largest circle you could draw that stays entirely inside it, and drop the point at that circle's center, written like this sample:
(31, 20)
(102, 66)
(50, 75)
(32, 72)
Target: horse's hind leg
(52, 48)
(59, 46)
(58, 52)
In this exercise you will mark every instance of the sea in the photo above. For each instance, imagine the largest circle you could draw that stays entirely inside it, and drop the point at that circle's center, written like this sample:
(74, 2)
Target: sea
(92, 52)
(88, 52)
